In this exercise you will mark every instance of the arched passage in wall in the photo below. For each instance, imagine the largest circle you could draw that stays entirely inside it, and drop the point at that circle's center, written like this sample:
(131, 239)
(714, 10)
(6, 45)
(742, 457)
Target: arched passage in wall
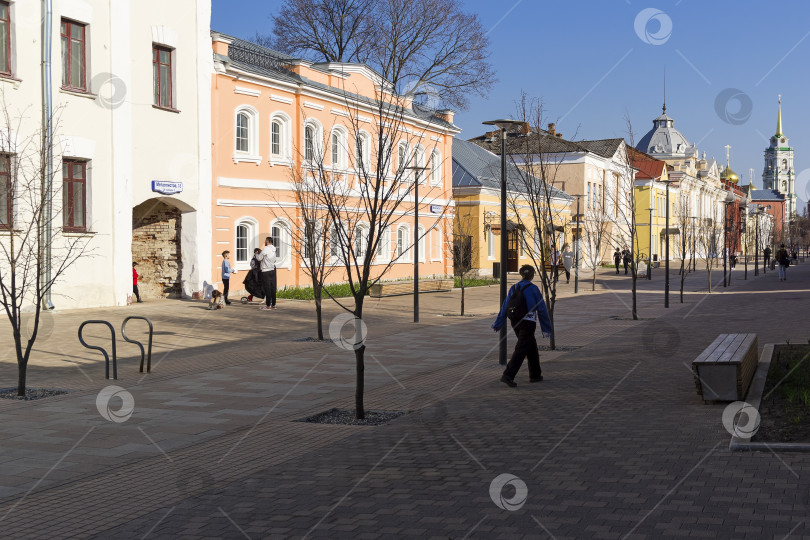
(156, 246)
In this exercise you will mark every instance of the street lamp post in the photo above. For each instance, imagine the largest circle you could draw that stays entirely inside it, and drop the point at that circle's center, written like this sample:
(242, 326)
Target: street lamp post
(417, 169)
(650, 258)
(744, 227)
(503, 125)
(576, 249)
(756, 242)
(666, 255)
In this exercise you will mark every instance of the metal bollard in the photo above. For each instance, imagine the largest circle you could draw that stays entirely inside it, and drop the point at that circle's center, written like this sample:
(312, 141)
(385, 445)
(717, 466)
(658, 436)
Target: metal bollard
(138, 343)
(104, 352)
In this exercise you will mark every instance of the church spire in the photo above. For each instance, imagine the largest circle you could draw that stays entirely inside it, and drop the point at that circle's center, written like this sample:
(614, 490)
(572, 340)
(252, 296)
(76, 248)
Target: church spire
(779, 118)
(664, 111)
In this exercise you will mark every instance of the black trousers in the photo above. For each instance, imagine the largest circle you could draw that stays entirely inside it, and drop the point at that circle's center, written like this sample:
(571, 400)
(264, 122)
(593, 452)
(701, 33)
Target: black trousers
(626, 264)
(226, 286)
(617, 267)
(269, 284)
(135, 290)
(567, 275)
(526, 346)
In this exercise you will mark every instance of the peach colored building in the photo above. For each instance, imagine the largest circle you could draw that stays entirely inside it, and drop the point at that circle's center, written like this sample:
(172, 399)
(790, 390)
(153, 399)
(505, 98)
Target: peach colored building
(268, 111)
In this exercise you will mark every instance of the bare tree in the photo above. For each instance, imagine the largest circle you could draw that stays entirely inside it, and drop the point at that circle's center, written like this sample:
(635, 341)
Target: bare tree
(463, 237)
(624, 200)
(33, 213)
(536, 158)
(683, 220)
(709, 237)
(310, 237)
(363, 213)
(428, 48)
(331, 30)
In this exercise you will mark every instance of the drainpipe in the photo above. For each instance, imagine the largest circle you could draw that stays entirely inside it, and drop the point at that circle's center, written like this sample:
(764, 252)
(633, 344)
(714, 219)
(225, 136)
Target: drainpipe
(47, 128)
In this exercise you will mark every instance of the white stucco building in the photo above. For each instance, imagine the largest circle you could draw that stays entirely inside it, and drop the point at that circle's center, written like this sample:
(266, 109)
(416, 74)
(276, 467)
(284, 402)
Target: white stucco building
(132, 106)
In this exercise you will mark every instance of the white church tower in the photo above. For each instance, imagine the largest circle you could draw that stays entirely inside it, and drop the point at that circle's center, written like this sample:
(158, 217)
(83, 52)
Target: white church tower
(779, 174)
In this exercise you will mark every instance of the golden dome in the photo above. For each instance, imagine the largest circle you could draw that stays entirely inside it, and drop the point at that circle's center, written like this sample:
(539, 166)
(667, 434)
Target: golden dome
(730, 175)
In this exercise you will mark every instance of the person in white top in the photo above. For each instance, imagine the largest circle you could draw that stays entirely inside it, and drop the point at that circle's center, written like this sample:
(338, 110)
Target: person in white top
(267, 262)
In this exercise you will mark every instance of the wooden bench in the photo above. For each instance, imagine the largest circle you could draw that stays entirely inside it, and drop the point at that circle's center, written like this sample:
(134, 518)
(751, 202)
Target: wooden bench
(394, 288)
(725, 368)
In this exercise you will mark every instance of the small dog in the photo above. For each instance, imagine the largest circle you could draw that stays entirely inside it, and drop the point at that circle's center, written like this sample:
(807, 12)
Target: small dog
(216, 300)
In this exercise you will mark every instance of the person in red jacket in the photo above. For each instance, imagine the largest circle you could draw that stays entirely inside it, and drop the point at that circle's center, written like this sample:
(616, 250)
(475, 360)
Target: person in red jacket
(135, 282)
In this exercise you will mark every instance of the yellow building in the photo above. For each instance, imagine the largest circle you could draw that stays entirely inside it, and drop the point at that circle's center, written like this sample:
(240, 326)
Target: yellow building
(650, 192)
(477, 197)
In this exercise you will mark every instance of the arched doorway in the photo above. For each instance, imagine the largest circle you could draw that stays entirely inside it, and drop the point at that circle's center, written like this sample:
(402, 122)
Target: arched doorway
(156, 234)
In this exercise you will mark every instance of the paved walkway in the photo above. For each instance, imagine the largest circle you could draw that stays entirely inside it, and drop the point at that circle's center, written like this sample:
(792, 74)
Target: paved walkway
(614, 443)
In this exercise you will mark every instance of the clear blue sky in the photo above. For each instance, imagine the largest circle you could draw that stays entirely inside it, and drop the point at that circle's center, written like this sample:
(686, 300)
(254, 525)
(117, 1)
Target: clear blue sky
(590, 67)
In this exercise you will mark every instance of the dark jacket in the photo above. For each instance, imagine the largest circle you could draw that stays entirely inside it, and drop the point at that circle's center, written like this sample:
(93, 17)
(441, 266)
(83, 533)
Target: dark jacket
(534, 302)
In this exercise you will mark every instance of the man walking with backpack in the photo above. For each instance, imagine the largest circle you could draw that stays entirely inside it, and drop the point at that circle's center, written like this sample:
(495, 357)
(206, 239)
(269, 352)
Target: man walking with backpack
(523, 307)
(783, 260)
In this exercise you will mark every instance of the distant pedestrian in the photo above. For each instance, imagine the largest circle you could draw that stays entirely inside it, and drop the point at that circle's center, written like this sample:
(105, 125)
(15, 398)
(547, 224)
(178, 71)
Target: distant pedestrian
(523, 317)
(135, 281)
(626, 259)
(617, 259)
(767, 255)
(568, 262)
(267, 260)
(226, 275)
(555, 264)
(783, 259)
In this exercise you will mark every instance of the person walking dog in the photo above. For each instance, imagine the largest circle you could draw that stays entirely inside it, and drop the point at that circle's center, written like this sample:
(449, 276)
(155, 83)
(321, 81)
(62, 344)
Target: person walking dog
(523, 307)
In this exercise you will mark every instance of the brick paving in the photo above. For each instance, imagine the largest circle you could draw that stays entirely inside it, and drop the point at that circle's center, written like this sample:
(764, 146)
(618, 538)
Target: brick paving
(613, 444)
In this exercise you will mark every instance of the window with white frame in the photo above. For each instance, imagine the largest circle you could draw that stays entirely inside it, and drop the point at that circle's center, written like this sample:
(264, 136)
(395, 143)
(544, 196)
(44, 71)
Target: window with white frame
(246, 134)
(361, 152)
(384, 246)
(339, 149)
(419, 161)
(360, 240)
(280, 147)
(402, 241)
(242, 243)
(312, 143)
(280, 234)
(436, 168)
(402, 159)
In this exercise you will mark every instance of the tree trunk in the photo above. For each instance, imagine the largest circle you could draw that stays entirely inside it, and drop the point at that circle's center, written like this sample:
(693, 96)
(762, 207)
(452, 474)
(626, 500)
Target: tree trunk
(683, 275)
(635, 306)
(317, 291)
(22, 371)
(709, 272)
(552, 342)
(593, 281)
(462, 295)
(359, 356)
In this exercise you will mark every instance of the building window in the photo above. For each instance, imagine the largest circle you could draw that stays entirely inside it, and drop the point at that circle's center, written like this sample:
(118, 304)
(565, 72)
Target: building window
(421, 241)
(275, 138)
(5, 38)
(242, 132)
(360, 240)
(73, 55)
(360, 152)
(242, 239)
(435, 168)
(383, 244)
(162, 75)
(309, 143)
(6, 193)
(276, 234)
(402, 241)
(402, 158)
(335, 148)
(74, 182)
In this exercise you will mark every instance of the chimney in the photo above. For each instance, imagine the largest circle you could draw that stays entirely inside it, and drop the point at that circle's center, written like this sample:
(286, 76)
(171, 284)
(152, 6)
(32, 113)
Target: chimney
(551, 129)
(446, 115)
(524, 128)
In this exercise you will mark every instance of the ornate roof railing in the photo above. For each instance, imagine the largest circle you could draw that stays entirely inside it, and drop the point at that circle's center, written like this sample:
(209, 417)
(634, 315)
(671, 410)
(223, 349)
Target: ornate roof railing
(250, 55)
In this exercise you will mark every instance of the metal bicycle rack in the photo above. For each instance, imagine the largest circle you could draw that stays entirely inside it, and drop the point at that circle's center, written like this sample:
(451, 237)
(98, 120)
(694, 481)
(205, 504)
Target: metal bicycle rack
(103, 351)
(148, 354)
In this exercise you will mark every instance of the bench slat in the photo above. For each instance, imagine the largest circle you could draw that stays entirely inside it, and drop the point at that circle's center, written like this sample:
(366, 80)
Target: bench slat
(730, 352)
(711, 350)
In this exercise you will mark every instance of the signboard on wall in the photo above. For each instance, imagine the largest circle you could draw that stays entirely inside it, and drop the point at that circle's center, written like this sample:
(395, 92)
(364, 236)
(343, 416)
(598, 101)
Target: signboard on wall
(435, 209)
(166, 188)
